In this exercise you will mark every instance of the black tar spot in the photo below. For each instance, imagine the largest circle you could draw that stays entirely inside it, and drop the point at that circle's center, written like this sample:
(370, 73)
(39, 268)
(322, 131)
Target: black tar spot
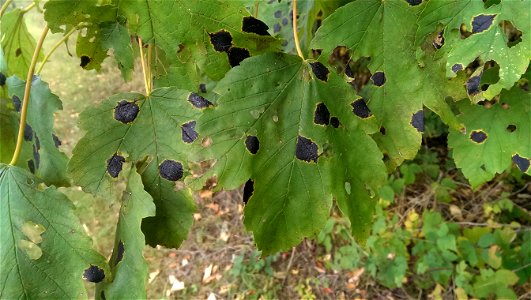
(56, 140)
(457, 67)
(360, 109)
(285, 21)
(198, 101)
(202, 88)
(417, 120)
(306, 149)
(189, 135)
(37, 142)
(322, 115)
(511, 128)
(334, 121)
(120, 252)
(472, 85)
(28, 133)
(18, 52)
(278, 14)
(320, 71)
(382, 130)
(414, 2)
(85, 60)
(478, 136)
(252, 144)
(521, 162)
(31, 166)
(114, 165)
(221, 40)
(248, 190)
(237, 55)
(2, 79)
(254, 25)
(126, 112)
(16, 103)
(277, 28)
(36, 157)
(378, 78)
(481, 23)
(94, 274)
(171, 170)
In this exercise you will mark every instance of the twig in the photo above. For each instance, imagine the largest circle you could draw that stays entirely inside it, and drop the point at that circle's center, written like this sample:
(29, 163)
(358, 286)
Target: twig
(27, 89)
(144, 71)
(295, 32)
(289, 266)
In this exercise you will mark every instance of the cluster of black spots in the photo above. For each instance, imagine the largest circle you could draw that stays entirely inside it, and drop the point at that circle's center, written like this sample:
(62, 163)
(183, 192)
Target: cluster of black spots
(248, 190)
(189, 135)
(438, 42)
(320, 71)
(417, 120)
(94, 274)
(360, 109)
(457, 67)
(382, 130)
(237, 55)
(114, 165)
(198, 101)
(378, 78)
(321, 115)
(253, 25)
(171, 170)
(478, 136)
(221, 40)
(252, 144)
(126, 111)
(473, 85)
(56, 141)
(85, 60)
(28, 133)
(334, 121)
(481, 23)
(17, 104)
(511, 128)
(36, 157)
(31, 166)
(521, 162)
(306, 150)
(202, 88)
(119, 252)
(414, 2)
(2, 79)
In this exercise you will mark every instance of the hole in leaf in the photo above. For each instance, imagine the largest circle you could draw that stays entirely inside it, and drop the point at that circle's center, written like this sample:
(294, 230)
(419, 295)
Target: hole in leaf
(306, 150)
(478, 136)
(126, 111)
(94, 274)
(514, 36)
(438, 42)
(321, 115)
(171, 170)
(189, 135)
(114, 165)
(221, 40)
(252, 144)
(248, 190)
(253, 25)
(360, 109)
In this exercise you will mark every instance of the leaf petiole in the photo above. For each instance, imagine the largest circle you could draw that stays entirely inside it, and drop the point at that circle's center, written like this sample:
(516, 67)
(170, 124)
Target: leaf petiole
(295, 32)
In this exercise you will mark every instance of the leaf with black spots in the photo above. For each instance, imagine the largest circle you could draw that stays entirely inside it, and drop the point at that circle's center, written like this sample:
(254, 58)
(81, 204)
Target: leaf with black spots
(17, 104)
(154, 134)
(94, 274)
(221, 40)
(2, 79)
(128, 267)
(277, 98)
(482, 22)
(487, 147)
(360, 108)
(237, 55)
(114, 165)
(253, 25)
(41, 232)
(126, 111)
(189, 135)
(417, 120)
(378, 78)
(320, 71)
(198, 101)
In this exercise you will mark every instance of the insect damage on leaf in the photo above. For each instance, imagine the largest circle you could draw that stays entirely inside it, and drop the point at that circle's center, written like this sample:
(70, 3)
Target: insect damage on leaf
(171, 170)
(438, 42)
(221, 40)
(417, 120)
(481, 23)
(378, 78)
(334, 121)
(478, 136)
(457, 67)
(85, 60)
(28, 133)
(521, 162)
(253, 25)
(2, 79)
(320, 71)
(126, 111)
(237, 55)
(360, 109)
(252, 144)
(306, 150)
(114, 165)
(94, 274)
(473, 85)
(16, 103)
(189, 135)
(248, 190)
(321, 115)
(198, 101)
(56, 140)
(414, 2)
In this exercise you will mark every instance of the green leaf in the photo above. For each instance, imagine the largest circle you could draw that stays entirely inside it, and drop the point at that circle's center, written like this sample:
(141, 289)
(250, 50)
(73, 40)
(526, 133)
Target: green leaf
(39, 149)
(128, 266)
(116, 36)
(488, 39)
(152, 134)
(44, 249)
(17, 43)
(273, 127)
(499, 133)
(405, 78)
(495, 283)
